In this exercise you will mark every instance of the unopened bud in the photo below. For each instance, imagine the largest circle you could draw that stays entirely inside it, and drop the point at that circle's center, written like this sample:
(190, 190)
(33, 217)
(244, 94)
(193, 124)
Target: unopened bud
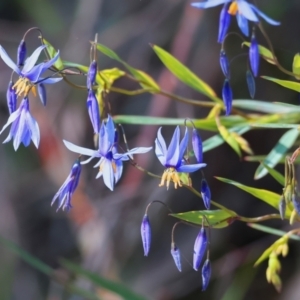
(206, 273)
(21, 55)
(197, 146)
(146, 234)
(282, 207)
(42, 93)
(223, 23)
(250, 83)
(205, 193)
(11, 98)
(254, 55)
(227, 97)
(93, 109)
(199, 248)
(175, 252)
(224, 63)
(91, 75)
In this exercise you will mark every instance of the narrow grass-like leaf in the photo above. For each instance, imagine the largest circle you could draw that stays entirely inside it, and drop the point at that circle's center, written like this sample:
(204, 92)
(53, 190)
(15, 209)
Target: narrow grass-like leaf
(269, 197)
(292, 85)
(265, 53)
(51, 51)
(118, 288)
(212, 218)
(274, 231)
(278, 152)
(296, 66)
(184, 74)
(275, 174)
(277, 125)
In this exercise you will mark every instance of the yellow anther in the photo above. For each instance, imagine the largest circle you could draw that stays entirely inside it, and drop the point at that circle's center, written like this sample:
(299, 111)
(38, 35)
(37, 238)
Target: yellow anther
(233, 8)
(23, 87)
(170, 174)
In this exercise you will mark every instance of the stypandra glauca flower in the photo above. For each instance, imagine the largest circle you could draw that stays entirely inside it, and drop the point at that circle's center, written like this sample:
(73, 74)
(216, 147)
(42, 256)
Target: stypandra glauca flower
(11, 98)
(175, 252)
(250, 83)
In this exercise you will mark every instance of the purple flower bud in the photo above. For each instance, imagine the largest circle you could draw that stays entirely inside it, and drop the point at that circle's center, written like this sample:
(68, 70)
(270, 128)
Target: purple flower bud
(224, 23)
(205, 192)
(42, 93)
(11, 98)
(250, 83)
(224, 63)
(197, 146)
(93, 109)
(254, 55)
(91, 75)
(227, 97)
(146, 234)
(176, 256)
(199, 248)
(296, 203)
(282, 207)
(21, 53)
(206, 273)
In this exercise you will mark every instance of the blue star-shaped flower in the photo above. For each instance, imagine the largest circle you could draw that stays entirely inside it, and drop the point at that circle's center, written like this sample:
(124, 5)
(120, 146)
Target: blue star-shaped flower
(23, 126)
(111, 162)
(243, 11)
(65, 193)
(172, 158)
(30, 74)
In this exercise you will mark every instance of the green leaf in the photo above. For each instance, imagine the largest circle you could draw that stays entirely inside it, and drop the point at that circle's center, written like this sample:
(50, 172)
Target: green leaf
(292, 85)
(75, 65)
(273, 231)
(184, 74)
(212, 218)
(276, 125)
(146, 81)
(277, 153)
(275, 174)
(296, 65)
(51, 51)
(115, 287)
(267, 196)
(265, 53)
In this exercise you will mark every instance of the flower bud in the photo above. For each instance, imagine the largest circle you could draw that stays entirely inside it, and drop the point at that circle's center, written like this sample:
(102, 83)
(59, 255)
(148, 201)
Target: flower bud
(42, 93)
(205, 193)
(146, 234)
(175, 252)
(206, 273)
(250, 83)
(197, 146)
(282, 207)
(11, 98)
(93, 109)
(224, 23)
(227, 97)
(254, 55)
(91, 75)
(224, 63)
(21, 55)
(199, 248)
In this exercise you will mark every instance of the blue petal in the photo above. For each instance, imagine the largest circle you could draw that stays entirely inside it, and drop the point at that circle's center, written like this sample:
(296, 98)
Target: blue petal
(243, 24)
(50, 62)
(224, 23)
(246, 10)
(11, 119)
(20, 131)
(81, 150)
(254, 55)
(42, 93)
(173, 150)
(108, 174)
(50, 80)
(34, 129)
(8, 61)
(137, 150)
(190, 168)
(265, 17)
(227, 96)
(161, 142)
(34, 74)
(183, 145)
(110, 126)
(119, 170)
(30, 61)
(104, 144)
(210, 3)
(250, 83)
(93, 110)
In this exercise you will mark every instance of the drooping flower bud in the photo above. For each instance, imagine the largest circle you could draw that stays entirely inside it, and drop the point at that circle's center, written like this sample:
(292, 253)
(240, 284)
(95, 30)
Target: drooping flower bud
(254, 55)
(282, 207)
(227, 97)
(91, 75)
(224, 23)
(11, 98)
(250, 83)
(197, 146)
(42, 93)
(146, 234)
(205, 192)
(93, 109)
(296, 203)
(176, 256)
(206, 273)
(21, 55)
(224, 63)
(199, 248)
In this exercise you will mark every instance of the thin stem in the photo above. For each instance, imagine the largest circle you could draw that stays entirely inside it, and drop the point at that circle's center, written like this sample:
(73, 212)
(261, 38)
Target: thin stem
(258, 219)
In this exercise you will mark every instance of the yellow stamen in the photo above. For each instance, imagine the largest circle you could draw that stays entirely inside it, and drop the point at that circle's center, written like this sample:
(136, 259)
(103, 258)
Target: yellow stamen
(23, 87)
(168, 175)
(233, 8)
(113, 164)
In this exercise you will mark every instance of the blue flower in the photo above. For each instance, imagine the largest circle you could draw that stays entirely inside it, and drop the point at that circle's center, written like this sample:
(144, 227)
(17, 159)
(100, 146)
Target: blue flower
(23, 126)
(111, 162)
(243, 11)
(30, 75)
(172, 158)
(64, 194)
